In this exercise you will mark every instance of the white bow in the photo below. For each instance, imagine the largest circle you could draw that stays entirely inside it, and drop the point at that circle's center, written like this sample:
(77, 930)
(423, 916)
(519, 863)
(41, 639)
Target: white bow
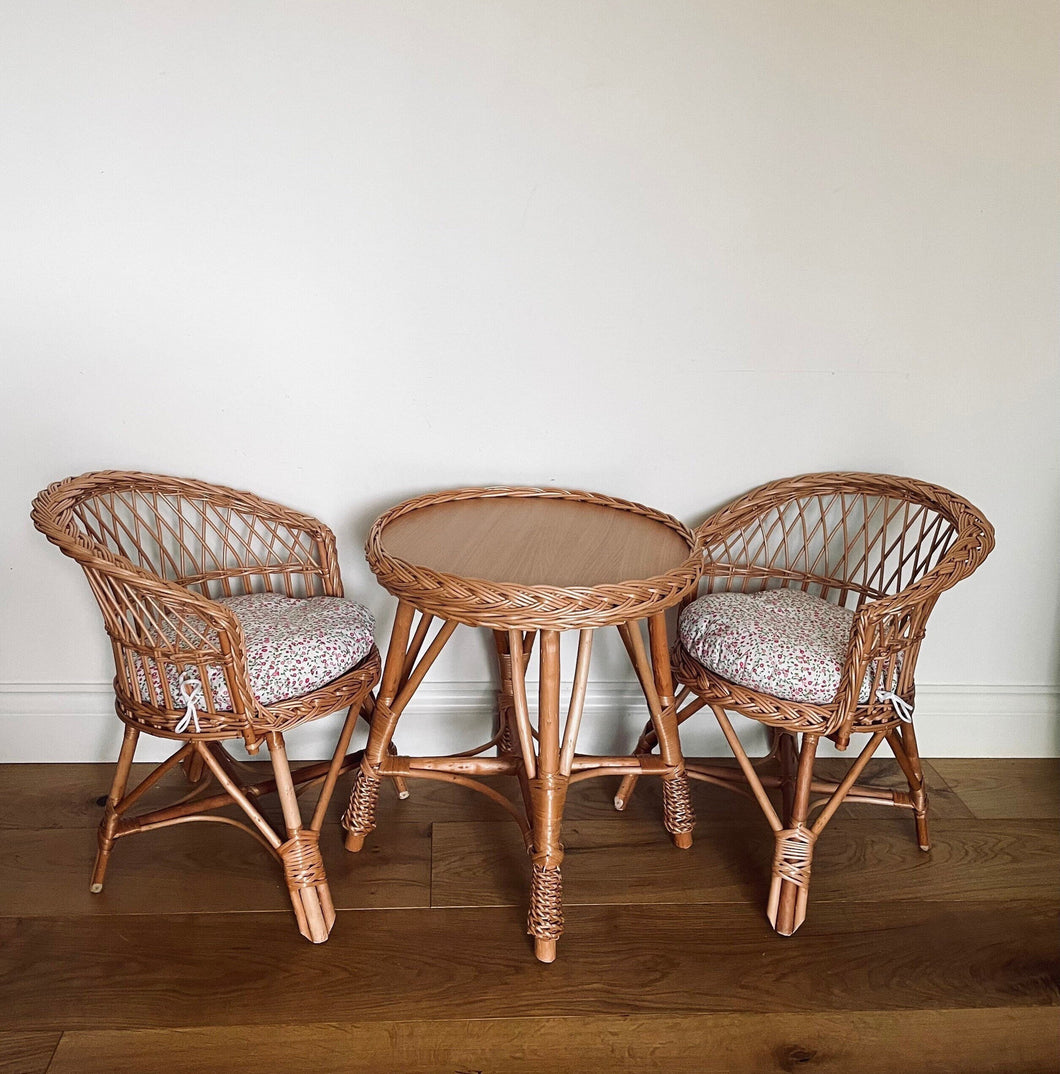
(901, 706)
(190, 687)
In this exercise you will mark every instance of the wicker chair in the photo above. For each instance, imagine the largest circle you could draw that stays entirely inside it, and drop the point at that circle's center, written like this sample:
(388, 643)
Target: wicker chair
(171, 563)
(882, 547)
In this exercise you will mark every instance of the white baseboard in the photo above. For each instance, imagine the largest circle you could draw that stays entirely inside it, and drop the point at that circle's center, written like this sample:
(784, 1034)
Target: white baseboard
(67, 722)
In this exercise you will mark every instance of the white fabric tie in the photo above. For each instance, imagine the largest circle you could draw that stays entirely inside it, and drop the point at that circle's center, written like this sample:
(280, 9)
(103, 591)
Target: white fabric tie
(900, 705)
(190, 686)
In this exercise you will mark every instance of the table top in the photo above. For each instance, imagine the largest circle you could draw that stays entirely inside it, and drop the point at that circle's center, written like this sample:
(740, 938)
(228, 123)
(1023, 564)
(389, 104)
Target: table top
(532, 558)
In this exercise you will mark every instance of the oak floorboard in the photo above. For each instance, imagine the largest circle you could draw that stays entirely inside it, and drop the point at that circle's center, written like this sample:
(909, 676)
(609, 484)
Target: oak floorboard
(1026, 787)
(58, 795)
(855, 861)
(201, 868)
(26, 1053)
(991, 1041)
(231, 969)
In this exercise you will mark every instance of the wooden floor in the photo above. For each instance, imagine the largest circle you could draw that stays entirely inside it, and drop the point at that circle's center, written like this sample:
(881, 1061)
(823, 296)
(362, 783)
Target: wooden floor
(189, 961)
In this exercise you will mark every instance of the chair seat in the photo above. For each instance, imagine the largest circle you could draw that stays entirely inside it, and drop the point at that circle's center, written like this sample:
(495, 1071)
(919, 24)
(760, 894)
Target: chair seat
(782, 642)
(293, 646)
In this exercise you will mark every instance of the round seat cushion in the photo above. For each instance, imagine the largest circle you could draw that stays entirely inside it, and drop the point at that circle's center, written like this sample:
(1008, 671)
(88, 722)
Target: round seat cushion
(293, 645)
(782, 642)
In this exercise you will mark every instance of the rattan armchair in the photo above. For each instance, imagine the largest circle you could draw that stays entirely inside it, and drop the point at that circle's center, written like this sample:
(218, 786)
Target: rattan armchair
(882, 547)
(171, 562)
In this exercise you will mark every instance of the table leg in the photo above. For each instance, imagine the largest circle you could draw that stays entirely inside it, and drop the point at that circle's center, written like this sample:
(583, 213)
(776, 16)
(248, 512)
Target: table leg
(548, 792)
(401, 676)
(547, 777)
(509, 745)
(677, 798)
(656, 680)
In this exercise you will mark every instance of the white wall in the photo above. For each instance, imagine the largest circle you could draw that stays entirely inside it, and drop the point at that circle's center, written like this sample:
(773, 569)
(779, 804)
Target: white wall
(339, 253)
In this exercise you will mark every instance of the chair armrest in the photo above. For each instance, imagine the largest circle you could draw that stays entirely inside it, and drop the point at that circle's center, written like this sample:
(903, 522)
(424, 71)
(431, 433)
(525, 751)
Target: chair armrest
(155, 625)
(887, 631)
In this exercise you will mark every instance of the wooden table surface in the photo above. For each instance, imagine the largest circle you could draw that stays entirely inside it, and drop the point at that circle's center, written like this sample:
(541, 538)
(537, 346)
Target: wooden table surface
(535, 542)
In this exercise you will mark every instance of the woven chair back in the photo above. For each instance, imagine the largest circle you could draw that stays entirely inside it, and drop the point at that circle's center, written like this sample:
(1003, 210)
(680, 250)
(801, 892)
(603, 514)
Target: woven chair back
(844, 537)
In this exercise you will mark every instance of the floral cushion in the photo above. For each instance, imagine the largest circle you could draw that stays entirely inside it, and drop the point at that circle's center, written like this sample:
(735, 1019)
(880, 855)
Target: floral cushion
(293, 647)
(784, 642)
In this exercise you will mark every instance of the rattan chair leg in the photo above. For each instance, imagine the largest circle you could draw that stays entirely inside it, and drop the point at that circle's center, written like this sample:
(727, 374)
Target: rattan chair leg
(111, 816)
(793, 857)
(302, 864)
(786, 746)
(903, 745)
(337, 759)
(194, 768)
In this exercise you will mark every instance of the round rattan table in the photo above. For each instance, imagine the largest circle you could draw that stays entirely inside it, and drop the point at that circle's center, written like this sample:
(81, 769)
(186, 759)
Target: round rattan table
(529, 562)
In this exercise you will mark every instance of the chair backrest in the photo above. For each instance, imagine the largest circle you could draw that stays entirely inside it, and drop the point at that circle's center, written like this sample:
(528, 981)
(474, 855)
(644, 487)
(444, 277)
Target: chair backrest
(846, 537)
(213, 540)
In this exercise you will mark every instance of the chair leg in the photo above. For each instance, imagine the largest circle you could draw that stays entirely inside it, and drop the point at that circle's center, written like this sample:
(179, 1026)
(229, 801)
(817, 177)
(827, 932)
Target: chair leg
(194, 768)
(111, 816)
(903, 745)
(300, 855)
(793, 857)
(787, 755)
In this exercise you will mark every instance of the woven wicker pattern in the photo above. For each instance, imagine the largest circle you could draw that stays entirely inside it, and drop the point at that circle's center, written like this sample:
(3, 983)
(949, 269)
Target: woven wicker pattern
(474, 602)
(886, 548)
(158, 553)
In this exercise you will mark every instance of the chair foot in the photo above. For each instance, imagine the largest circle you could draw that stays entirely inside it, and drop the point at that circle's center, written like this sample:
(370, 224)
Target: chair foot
(922, 838)
(790, 887)
(920, 816)
(105, 841)
(99, 869)
(787, 906)
(625, 792)
(307, 885)
(314, 921)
